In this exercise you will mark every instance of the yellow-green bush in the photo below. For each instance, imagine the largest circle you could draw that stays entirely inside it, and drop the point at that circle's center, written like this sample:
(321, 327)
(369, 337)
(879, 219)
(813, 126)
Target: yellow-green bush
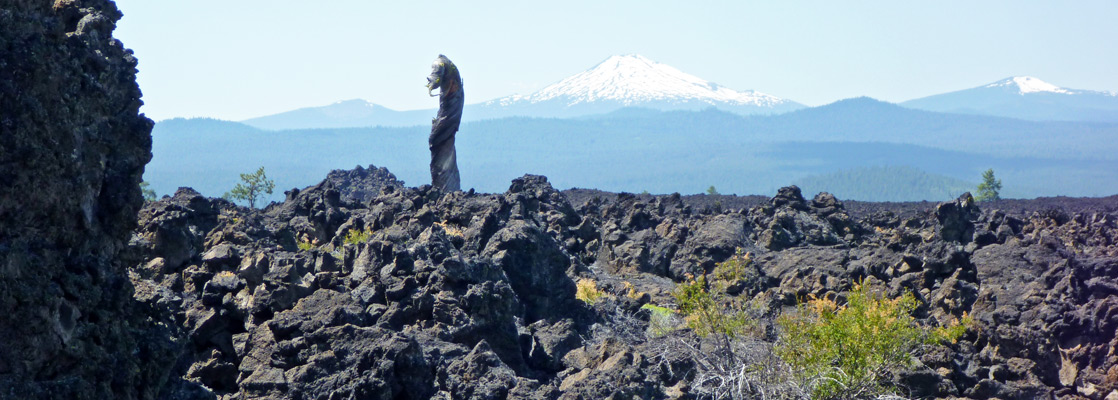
(451, 229)
(631, 291)
(355, 236)
(587, 291)
(661, 320)
(846, 350)
(304, 243)
(708, 313)
(733, 269)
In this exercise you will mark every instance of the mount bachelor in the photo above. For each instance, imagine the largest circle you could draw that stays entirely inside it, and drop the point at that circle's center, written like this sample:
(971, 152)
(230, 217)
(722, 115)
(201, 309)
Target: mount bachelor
(618, 82)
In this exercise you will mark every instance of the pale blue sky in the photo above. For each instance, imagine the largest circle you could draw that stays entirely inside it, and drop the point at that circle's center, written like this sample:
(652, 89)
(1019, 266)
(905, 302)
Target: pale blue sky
(246, 58)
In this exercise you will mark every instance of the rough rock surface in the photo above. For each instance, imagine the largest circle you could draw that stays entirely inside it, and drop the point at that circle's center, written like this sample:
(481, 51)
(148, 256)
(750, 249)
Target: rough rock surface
(72, 151)
(1038, 281)
(360, 185)
(420, 294)
(361, 288)
(460, 295)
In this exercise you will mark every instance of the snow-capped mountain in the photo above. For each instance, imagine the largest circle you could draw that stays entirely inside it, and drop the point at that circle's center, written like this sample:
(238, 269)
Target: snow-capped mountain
(617, 82)
(1026, 84)
(632, 81)
(1025, 97)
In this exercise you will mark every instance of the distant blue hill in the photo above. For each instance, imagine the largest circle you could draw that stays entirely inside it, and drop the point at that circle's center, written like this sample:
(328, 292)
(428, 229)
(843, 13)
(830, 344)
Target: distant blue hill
(895, 183)
(343, 114)
(662, 152)
(866, 119)
(1026, 98)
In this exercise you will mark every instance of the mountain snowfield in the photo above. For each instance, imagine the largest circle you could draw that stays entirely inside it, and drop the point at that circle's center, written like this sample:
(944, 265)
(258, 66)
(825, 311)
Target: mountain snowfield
(1027, 84)
(1025, 97)
(633, 79)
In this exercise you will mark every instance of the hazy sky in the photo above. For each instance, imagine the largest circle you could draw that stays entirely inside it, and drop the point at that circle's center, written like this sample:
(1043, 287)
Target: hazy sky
(246, 58)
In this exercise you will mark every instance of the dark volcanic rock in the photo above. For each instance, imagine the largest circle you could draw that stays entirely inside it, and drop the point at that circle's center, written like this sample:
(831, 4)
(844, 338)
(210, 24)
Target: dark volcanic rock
(418, 294)
(72, 151)
(1035, 280)
(291, 299)
(360, 185)
(956, 219)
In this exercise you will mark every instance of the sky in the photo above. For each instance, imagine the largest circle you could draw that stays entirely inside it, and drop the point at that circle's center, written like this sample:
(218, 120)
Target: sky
(236, 60)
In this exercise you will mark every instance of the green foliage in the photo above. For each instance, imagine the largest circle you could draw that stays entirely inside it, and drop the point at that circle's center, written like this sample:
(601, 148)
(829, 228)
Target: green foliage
(655, 309)
(253, 187)
(355, 236)
(709, 313)
(712, 191)
(146, 190)
(587, 291)
(989, 188)
(661, 320)
(732, 270)
(304, 246)
(847, 350)
(953, 331)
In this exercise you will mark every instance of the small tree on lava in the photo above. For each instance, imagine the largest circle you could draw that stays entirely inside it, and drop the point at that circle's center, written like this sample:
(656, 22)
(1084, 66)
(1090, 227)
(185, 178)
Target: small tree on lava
(989, 188)
(254, 186)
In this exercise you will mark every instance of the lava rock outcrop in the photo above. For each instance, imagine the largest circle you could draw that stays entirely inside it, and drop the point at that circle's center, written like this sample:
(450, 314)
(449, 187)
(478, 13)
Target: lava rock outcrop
(417, 294)
(72, 151)
(361, 184)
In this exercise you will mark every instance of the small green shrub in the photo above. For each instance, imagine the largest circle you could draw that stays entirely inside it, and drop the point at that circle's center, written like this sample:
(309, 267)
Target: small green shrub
(147, 191)
(708, 313)
(661, 320)
(253, 187)
(990, 187)
(631, 291)
(304, 246)
(953, 331)
(847, 350)
(732, 271)
(355, 236)
(451, 229)
(587, 291)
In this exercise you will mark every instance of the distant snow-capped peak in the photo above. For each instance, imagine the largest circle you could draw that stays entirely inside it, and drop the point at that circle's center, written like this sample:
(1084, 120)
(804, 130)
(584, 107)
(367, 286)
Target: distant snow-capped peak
(1028, 84)
(354, 103)
(634, 79)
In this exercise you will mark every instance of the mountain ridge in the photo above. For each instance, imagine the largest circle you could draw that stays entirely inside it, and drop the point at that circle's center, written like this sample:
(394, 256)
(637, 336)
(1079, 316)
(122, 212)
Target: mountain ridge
(341, 114)
(615, 83)
(663, 152)
(1024, 97)
(626, 81)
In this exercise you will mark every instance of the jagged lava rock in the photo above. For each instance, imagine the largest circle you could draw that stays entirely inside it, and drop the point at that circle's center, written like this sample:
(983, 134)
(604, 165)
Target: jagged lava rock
(361, 184)
(459, 283)
(466, 295)
(72, 151)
